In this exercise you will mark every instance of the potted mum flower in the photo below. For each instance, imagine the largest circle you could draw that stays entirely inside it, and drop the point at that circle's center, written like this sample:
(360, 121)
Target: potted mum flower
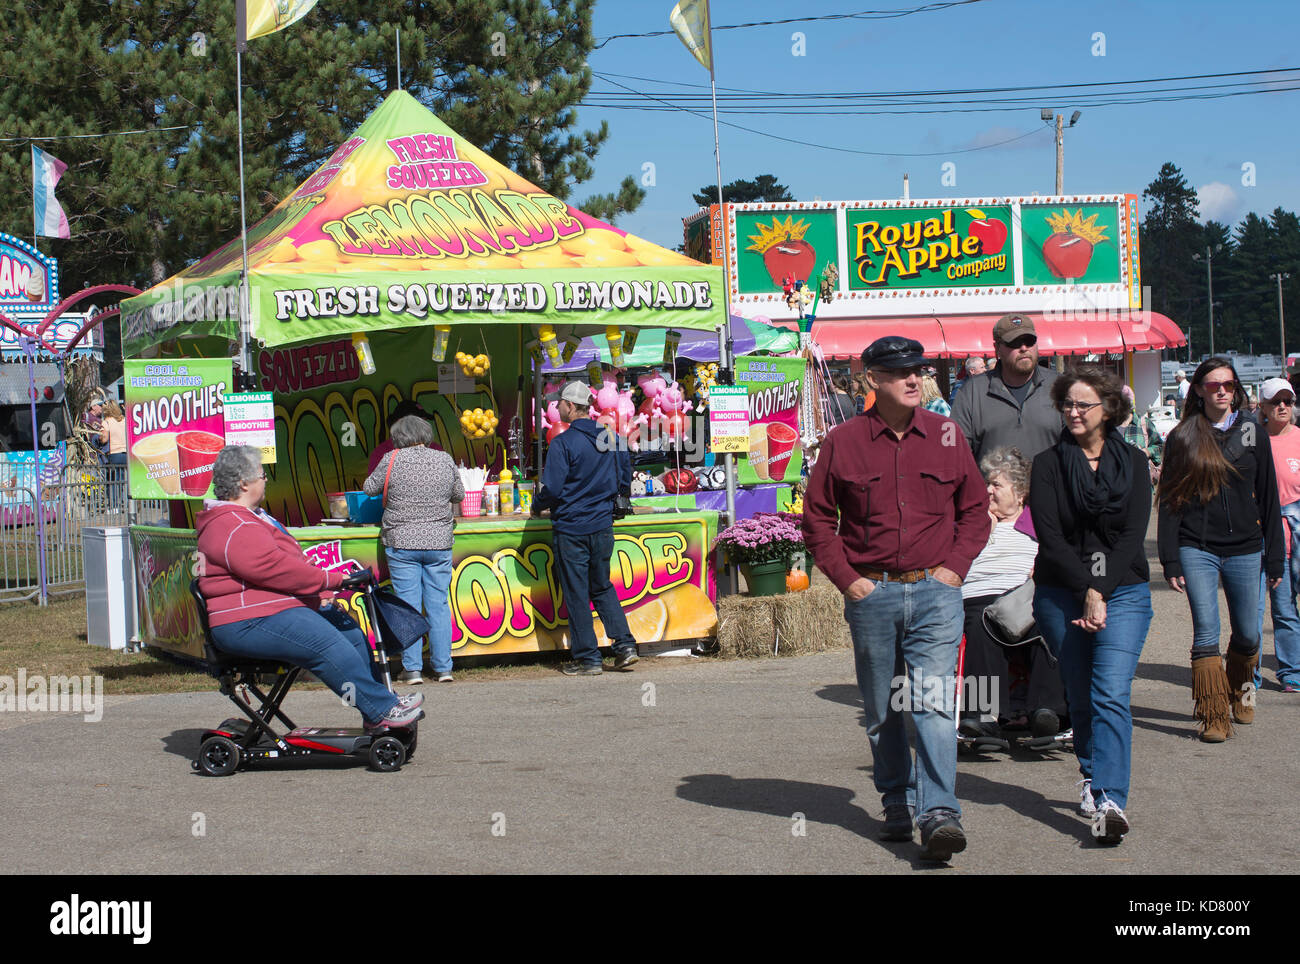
(762, 546)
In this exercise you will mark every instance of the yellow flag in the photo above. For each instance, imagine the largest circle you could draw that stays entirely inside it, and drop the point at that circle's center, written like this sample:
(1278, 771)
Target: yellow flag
(690, 18)
(268, 16)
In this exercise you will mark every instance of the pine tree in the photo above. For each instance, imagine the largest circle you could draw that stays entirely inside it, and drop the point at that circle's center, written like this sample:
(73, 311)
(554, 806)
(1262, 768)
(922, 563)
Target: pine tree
(762, 188)
(1169, 237)
(506, 74)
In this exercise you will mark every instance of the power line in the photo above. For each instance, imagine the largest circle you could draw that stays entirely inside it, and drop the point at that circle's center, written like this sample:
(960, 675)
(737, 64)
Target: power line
(65, 137)
(1041, 88)
(846, 150)
(860, 15)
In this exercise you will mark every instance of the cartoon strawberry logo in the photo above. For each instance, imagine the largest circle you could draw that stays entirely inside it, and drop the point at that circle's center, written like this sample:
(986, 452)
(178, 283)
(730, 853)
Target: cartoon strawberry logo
(784, 250)
(1068, 251)
(991, 232)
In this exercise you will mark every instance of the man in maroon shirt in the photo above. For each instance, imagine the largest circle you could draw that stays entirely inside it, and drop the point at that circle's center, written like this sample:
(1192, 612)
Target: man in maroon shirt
(894, 514)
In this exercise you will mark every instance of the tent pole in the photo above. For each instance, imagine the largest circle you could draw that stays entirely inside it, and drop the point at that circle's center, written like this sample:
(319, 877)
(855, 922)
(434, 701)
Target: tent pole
(245, 361)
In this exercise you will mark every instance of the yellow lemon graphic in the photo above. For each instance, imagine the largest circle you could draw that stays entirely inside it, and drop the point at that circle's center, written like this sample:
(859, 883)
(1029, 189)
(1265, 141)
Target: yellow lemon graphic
(609, 259)
(552, 257)
(592, 241)
(690, 613)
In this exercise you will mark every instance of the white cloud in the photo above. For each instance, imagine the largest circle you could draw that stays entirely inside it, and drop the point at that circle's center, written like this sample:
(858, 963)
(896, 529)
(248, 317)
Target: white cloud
(1218, 202)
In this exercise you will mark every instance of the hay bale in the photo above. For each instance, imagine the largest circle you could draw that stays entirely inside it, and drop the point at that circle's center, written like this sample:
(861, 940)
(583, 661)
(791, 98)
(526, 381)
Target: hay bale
(811, 621)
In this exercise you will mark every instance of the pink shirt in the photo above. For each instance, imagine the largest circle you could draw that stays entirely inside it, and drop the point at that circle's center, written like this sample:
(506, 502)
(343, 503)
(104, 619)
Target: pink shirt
(1286, 461)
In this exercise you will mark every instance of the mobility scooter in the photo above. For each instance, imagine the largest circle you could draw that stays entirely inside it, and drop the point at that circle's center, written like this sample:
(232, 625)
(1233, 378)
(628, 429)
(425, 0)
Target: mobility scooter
(238, 742)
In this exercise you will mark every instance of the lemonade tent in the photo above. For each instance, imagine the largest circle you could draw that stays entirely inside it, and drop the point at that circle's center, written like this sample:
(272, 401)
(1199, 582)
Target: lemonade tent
(408, 224)
(407, 228)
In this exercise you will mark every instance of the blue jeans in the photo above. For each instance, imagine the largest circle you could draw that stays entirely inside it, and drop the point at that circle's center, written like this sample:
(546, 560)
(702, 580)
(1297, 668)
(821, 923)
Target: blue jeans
(583, 562)
(1098, 670)
(421, 578)
(1241, 584)
(1286, 630)
(326, 643)
(913, 629)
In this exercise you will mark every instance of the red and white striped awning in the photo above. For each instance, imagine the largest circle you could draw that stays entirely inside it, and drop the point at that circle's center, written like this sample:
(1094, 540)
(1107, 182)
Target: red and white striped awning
(960, 336)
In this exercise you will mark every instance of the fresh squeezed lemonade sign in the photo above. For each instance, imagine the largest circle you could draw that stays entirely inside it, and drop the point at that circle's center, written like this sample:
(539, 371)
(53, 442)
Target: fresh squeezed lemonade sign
(174, 426)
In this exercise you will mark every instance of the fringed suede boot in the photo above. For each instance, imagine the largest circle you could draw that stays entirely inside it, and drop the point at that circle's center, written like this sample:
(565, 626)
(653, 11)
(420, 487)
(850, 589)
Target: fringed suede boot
(1212, 695)
(1241, 683)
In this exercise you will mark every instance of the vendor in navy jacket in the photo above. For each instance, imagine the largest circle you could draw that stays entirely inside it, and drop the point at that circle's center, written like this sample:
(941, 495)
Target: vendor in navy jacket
(586, 468)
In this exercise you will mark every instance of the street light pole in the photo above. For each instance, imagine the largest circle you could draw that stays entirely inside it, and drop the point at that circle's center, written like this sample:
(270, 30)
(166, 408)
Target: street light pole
(1046, 115)
(1060, 156)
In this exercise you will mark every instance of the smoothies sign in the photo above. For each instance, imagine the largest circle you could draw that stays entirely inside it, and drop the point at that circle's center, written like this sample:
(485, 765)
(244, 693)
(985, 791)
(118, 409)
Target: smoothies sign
(774, 451)
(174, 426)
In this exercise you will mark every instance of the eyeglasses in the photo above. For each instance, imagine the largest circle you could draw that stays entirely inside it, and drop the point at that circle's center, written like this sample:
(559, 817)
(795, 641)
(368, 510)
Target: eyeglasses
(1083, 408)
(1214, 387)
(1024, 341)
(1280, 399)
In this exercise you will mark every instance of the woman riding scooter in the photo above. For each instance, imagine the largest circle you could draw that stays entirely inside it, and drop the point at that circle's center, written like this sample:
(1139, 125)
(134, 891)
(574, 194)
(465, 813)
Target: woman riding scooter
(263, 596)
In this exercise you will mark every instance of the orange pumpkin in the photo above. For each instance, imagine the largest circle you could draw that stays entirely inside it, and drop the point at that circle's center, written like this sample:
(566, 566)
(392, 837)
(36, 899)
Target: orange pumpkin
(796, 580)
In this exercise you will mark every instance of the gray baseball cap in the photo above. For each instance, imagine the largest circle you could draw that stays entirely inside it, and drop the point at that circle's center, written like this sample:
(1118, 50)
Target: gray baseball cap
(579, 393)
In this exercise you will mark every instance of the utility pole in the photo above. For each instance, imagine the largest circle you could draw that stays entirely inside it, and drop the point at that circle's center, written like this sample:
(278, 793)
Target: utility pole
(1060, 155)
(1281, 320)
(1209, 281)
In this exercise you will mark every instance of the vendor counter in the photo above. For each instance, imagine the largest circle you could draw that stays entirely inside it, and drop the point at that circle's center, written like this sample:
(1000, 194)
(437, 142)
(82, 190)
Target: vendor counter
(505, 592)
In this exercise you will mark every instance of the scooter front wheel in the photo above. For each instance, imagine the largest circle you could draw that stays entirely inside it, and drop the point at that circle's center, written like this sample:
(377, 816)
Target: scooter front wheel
(387, 754)
(219, 756)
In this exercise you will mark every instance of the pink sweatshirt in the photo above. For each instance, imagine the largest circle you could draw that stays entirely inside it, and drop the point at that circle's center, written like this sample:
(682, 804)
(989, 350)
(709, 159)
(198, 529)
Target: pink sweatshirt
(252, 569)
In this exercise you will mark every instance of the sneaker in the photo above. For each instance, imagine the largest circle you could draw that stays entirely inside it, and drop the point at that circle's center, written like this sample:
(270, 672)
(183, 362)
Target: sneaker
(626, 658)
(411, 701)
(942, 836)
(411, 677)
(1087, 806)
(399, 715)
(1291, 686)
(1109, 823)
(445, 678)
(898, 823)
(1044, 723)
(572, 668)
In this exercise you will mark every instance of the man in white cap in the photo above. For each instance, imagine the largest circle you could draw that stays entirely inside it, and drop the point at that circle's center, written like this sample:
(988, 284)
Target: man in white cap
(1276, 396)
(1184, 386)
(586, 468)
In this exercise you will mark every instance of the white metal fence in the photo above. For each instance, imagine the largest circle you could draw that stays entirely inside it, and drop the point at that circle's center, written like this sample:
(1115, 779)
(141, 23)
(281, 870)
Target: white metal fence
(41, 523)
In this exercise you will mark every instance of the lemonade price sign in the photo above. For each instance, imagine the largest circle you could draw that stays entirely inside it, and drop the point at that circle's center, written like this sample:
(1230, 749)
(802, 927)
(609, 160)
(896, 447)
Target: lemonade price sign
(728, 419)
(250, 420)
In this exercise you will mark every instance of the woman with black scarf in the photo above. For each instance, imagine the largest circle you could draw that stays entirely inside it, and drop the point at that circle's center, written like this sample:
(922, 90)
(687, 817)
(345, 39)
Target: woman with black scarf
(1090, 496)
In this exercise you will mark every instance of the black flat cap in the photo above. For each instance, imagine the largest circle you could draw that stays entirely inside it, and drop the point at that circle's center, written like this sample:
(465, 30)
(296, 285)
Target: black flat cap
(894, 351)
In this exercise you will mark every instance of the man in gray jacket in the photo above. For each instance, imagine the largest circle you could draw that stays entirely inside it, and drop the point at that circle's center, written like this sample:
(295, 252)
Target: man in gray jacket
(1010, 406)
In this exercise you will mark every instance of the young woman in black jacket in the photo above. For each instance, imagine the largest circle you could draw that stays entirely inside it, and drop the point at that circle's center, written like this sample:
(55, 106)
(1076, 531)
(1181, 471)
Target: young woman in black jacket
(1219, 520)
(1090, 496)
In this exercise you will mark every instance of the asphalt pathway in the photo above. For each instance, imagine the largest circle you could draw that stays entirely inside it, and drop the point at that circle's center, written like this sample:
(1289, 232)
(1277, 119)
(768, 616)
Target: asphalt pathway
(696, 766)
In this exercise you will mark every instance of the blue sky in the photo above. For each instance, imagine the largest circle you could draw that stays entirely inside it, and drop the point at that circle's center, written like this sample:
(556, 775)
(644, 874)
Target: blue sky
(993, 43)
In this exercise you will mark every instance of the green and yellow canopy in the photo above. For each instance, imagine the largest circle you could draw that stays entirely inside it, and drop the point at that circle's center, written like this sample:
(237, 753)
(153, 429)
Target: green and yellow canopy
(407, 224)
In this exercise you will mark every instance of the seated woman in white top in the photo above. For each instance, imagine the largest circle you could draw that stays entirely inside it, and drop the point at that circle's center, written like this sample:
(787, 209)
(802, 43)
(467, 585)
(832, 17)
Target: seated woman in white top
(1029, 690)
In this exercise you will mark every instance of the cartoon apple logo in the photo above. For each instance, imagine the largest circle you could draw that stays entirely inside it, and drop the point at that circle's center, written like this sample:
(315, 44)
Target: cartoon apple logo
(784, 250)
(991, 232)
(1068, 251)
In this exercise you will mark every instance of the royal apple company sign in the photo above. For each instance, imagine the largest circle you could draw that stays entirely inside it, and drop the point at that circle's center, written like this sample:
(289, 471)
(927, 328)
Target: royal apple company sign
(954, 247)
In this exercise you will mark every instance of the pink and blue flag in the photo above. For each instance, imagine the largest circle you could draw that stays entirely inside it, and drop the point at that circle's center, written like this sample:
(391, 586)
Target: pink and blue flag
(47, 215)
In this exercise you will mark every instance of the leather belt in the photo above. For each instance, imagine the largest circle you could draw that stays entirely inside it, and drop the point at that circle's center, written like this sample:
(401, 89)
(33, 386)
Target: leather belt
(885, 575)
